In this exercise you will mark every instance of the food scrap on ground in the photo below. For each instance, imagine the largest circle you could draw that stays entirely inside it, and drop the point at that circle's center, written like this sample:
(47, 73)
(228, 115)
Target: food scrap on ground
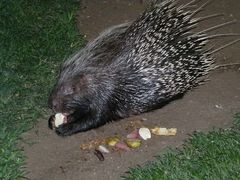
(103, 149)
(164, 131)
(132, 141)
(99, 155)
(144, 133)
(112, 141)
(122, 146)
(134, 124)
(92, 144)
(133, 135)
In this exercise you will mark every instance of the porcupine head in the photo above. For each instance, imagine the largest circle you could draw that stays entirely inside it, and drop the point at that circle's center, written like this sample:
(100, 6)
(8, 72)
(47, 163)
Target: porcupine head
(78, 99)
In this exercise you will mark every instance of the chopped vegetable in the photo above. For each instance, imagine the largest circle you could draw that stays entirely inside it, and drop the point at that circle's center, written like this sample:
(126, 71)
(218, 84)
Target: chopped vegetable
(133, 135)
(103, 149)
(92, 144)
(164, 131)
(133, 143)
(112, 141)
(144, 133)
(122, 146)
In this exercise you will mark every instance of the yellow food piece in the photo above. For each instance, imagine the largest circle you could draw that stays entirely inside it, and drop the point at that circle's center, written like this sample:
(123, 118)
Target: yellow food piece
(112, 141)
(133, 143)
(164, 131)
(172, 131)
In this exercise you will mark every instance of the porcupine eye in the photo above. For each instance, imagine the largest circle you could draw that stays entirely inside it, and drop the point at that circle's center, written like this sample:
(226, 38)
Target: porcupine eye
(68, 90)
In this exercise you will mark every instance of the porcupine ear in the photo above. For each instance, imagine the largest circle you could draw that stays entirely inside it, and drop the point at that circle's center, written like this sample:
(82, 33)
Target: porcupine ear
(76, 85)
(80, 82)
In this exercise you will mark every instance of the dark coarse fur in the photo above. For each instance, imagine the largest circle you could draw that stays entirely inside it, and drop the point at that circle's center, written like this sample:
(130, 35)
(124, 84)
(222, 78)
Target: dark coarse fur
(132, 68)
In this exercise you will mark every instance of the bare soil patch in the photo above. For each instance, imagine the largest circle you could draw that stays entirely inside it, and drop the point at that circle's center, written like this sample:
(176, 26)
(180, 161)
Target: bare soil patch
(210, 105)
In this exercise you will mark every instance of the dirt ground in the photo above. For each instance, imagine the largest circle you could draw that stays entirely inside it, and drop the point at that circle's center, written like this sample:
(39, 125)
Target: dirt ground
(50, 157)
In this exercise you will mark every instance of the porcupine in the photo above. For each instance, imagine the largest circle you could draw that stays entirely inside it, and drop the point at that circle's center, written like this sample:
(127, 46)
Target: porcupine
(134, 67)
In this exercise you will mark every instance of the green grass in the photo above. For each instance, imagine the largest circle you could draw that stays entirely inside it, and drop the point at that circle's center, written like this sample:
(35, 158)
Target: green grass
(35, 37)
(215, 155)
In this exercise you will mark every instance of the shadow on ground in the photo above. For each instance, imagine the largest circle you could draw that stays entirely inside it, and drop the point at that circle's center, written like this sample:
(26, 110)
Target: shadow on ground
(210, 105)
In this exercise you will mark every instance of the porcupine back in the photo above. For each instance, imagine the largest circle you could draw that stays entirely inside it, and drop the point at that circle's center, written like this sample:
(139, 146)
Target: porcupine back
(163, 43)
(141, 65)
(162, 57)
